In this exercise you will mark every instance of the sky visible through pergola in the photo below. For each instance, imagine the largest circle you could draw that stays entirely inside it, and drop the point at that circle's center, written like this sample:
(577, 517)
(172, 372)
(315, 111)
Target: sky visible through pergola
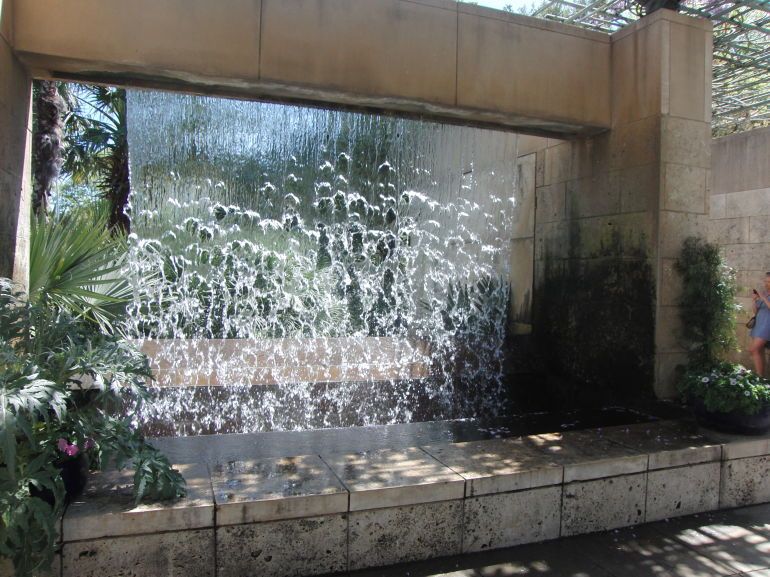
(741, 80)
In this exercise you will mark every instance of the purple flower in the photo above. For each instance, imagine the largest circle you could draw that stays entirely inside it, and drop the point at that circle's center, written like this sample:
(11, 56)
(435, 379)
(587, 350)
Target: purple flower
(89, 444)
(68, 449)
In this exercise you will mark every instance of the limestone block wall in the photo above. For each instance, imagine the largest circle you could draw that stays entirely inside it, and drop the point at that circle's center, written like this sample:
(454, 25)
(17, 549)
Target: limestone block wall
(740, 214)
(612, 211)
(437, 58)
(15, 155)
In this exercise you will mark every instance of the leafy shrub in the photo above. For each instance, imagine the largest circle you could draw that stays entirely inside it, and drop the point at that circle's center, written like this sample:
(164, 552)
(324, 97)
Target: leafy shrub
(61, 383)
(75, 264)
(708, 317)
(726, 387)
(707, 306)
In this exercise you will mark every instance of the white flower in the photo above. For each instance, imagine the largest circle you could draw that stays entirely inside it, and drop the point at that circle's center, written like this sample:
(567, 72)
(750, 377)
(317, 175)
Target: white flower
(748, 393)
(704, 380)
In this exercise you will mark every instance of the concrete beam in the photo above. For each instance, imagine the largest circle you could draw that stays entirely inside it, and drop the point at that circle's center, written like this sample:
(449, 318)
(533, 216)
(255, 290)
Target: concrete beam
(436, 58)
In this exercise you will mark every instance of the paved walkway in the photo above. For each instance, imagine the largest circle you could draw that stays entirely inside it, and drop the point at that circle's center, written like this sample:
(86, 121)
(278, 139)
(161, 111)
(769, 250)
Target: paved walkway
(735, 542)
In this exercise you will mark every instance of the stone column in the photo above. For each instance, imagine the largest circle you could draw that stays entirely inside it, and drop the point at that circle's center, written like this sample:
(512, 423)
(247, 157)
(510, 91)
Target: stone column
(15, 155)
(612, 212)
(662, 114)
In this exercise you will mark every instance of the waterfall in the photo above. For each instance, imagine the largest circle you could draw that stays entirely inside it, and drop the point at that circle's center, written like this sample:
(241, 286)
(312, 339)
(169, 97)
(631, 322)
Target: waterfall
(295, 267)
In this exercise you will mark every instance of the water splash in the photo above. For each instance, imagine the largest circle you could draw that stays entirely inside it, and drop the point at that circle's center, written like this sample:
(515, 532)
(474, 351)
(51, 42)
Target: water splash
(296, 268)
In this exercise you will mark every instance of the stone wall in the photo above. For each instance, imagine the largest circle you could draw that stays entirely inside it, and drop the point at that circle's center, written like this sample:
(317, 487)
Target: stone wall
(611, 213)
(15, 159)
(740, 214)
(435, 58)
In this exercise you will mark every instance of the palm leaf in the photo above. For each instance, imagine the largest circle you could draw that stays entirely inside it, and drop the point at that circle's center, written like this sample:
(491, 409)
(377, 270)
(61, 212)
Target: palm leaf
(75, 264)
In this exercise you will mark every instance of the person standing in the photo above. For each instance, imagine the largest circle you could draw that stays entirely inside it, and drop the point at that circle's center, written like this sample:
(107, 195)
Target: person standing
(760, 333)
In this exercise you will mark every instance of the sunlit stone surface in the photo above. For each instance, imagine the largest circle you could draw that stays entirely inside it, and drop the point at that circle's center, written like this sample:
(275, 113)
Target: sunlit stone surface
(312, 514)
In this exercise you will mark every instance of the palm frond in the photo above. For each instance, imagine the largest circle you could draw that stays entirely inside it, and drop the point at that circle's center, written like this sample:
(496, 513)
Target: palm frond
(75, 264)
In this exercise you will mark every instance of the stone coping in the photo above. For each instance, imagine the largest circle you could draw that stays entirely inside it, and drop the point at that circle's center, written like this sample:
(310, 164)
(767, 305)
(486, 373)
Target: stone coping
(106, 509)
(586, 455)
(668, 444)
(498, 466)
(271, 489)
(395, 477)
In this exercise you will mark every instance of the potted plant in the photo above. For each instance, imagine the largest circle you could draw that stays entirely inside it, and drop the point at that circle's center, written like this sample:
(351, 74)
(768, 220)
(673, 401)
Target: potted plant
(729, 397)
(724, 396)
(62, 385)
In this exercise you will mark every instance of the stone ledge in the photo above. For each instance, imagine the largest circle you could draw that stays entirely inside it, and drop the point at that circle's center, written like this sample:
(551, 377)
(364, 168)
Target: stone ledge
(107, 508)
(586, 455)
(430, 501)
(667, 444)
(393, 478)
(275, 489)
(498, 466)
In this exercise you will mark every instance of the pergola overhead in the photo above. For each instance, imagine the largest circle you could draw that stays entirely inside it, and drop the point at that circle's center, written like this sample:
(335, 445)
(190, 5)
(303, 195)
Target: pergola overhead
(741, 88)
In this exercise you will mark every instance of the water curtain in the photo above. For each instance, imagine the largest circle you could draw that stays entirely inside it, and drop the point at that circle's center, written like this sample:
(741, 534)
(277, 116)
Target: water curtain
(296, 267)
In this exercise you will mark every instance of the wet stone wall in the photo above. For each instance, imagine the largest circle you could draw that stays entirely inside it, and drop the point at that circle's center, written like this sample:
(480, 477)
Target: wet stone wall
(594, 289)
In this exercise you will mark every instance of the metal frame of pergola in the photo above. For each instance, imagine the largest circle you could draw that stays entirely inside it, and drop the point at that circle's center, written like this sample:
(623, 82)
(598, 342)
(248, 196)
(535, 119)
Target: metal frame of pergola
(741, 86)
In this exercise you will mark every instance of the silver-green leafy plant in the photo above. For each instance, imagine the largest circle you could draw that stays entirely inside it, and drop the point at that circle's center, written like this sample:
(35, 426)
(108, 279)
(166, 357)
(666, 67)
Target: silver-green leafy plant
(62, 385)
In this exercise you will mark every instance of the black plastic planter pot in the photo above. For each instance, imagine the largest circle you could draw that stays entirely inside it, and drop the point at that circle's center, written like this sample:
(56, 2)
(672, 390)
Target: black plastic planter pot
(74, 474)
(734, 421)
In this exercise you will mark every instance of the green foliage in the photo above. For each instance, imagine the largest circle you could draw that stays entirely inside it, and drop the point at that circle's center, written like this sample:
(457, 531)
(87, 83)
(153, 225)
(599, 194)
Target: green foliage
(28, 530)
(75, 266)
(61, 385)
(726, 387)
(707, 307)
(476, 309)
(154, 478)
(708, 317)
(96, 144)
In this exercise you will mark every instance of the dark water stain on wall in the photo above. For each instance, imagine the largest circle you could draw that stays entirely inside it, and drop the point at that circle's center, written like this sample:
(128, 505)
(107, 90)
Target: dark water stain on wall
(594, 322)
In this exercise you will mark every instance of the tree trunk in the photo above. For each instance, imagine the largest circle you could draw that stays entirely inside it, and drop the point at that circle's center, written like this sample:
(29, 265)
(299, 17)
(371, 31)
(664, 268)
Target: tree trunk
(119, 189)
(46, 143)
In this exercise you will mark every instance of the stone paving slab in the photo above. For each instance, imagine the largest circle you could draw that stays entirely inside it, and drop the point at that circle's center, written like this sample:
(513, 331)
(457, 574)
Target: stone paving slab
(642, 551)
(106, 508)
(738, 539)
(668, 443)
(587, 455)
(274, 489)
(498, 465)
(392, 478)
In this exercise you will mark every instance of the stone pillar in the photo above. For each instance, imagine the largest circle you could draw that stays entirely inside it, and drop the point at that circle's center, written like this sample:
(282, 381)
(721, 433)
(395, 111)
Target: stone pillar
(15, 155)
(612, 212)
(662, 115)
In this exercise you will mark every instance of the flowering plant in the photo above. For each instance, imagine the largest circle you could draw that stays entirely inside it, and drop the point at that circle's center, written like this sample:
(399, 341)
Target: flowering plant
(726, 387)
(73, 449)
(62, 387)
